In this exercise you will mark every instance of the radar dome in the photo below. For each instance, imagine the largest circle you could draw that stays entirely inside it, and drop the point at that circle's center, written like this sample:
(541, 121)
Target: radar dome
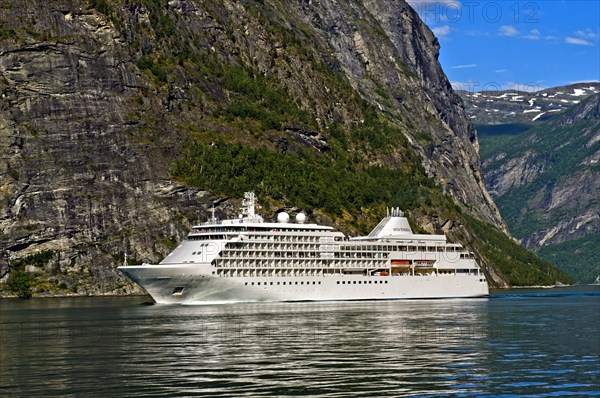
(300, 218)
(283, 217)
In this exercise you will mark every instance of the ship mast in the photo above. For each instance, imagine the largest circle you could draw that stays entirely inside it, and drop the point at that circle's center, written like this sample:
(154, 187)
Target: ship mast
(248, 204)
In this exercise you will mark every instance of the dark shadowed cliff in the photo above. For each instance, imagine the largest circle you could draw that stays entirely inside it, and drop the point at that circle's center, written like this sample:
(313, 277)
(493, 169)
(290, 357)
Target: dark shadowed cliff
(121, 122)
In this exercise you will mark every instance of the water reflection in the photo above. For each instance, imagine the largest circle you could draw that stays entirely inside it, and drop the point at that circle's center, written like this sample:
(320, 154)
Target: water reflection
(478, 347)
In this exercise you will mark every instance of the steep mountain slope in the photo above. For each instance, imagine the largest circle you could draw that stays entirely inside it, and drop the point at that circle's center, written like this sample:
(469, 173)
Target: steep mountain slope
(546, 182)
(125, 121)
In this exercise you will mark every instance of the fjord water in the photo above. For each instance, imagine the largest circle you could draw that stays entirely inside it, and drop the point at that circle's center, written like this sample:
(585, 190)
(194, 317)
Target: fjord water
(528, 343)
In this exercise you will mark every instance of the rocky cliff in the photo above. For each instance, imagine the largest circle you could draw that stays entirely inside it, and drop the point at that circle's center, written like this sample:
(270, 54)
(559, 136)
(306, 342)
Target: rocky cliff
(102, 100)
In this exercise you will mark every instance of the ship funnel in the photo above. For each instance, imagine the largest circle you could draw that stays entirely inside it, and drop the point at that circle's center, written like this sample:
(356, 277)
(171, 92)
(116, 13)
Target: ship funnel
(393, 225)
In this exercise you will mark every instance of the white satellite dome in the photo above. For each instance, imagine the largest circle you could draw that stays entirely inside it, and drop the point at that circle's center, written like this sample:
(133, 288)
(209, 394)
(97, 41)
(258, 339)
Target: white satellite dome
(283, 217)
(300, 218)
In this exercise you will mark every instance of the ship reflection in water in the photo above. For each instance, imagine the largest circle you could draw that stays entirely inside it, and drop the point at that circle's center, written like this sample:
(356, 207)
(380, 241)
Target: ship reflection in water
(537, 343)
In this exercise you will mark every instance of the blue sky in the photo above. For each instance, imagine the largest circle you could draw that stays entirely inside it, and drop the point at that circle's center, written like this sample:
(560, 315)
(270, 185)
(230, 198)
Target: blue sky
(514, 44)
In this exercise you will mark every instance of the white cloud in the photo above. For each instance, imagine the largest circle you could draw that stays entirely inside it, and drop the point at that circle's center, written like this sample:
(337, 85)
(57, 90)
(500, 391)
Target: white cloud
(464, 66)
(507, 30)
(441, 31)
(534, 34)
(477, 33)
(579, 42)
(501, 70)
(587, 34)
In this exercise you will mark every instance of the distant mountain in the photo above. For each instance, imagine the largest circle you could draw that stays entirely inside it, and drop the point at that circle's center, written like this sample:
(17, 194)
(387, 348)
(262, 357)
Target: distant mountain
(516, 107)
(544, 174)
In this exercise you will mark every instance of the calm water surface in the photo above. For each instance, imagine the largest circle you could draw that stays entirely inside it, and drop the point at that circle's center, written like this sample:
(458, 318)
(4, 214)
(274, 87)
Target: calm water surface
(526, 343)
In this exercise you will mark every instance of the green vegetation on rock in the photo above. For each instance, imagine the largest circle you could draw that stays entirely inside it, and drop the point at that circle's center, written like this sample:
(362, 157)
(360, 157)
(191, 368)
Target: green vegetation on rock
(519, 266)
(578, 257)
(305, 179)
(19, 283)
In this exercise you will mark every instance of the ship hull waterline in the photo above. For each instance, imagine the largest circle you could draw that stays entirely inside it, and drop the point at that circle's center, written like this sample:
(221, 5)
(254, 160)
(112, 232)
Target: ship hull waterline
(185, 284)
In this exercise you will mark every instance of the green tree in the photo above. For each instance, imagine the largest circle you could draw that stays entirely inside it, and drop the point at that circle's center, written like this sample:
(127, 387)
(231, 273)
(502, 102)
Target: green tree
(19, 283)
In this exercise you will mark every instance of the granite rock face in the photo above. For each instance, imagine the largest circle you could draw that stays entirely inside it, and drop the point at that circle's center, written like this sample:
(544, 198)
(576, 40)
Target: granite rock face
(89, 132)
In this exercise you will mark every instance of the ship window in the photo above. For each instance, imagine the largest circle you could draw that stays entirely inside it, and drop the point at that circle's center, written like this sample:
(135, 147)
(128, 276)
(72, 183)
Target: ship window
(370, 282)
(354, 282)
(252, 283)
(319, 282)
(338, 282)
(246, 283)
(296, 283)
(178, 291)
(386, 281)
(271, 283)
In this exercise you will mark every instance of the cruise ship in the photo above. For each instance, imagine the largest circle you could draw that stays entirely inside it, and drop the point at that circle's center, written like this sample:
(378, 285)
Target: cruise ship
(246, 259)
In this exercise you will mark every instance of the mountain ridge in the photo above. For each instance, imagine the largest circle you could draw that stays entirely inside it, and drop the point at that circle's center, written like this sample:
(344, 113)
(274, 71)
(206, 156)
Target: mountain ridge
(523, 107)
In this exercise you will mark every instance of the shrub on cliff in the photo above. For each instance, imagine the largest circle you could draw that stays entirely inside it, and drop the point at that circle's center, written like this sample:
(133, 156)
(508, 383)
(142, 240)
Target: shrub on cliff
(19, 283)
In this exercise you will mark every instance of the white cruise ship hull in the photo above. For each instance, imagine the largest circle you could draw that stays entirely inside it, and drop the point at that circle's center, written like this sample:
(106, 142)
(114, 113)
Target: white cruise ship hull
(194, 284)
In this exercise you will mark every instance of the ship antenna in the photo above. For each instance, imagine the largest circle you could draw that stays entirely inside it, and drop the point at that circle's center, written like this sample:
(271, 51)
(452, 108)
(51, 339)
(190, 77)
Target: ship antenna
(125, 260)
